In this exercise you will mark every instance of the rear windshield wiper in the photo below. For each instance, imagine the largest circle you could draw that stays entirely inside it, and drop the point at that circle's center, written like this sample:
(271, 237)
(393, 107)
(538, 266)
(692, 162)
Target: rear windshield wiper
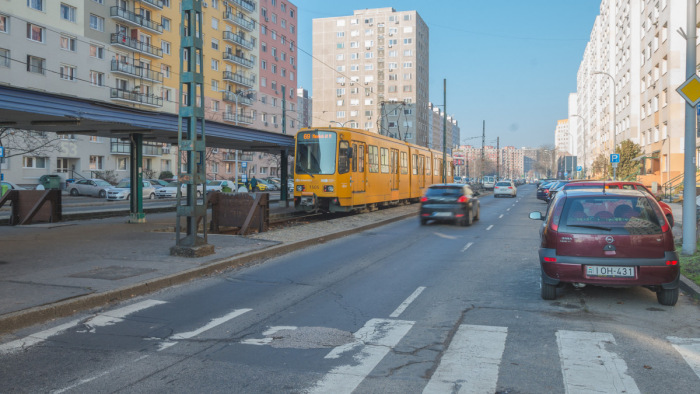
(589, 226)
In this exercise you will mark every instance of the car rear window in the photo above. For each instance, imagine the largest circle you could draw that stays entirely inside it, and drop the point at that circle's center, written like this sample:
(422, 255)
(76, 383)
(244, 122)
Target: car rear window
(609, 214)
(572, 186)
(503, 184)
(443, 191)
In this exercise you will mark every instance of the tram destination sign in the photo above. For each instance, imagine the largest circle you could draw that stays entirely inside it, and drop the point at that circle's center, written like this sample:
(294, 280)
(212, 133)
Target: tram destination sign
(316, 135)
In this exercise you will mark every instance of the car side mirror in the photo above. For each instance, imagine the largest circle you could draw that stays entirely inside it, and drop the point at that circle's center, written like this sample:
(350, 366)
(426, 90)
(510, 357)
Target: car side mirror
(536, 216)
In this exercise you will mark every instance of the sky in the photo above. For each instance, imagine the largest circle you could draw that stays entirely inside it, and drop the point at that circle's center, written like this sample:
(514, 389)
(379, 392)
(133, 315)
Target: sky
(510, 63)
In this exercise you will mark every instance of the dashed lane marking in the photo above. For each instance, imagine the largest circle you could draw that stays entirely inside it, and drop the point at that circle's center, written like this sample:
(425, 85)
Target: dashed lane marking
(191, 334)
(407, 302)
(467, 246)
(489, 227)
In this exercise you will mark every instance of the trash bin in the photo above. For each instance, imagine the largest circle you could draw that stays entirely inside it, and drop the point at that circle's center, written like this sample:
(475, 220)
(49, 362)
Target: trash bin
(50, 182)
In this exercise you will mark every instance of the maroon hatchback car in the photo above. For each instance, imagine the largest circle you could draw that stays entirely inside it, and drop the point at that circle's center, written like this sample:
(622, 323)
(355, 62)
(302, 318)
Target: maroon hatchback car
(607, 238)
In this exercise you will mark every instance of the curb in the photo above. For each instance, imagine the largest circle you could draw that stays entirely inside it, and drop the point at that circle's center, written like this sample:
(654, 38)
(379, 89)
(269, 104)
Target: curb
(41, 314)
(688, 286)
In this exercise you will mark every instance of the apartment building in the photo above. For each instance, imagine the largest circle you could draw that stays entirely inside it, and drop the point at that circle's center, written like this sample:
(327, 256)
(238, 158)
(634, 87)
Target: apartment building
(304, 107)
(367, 63)
(562, 137)
(625, 85)
(126, 53)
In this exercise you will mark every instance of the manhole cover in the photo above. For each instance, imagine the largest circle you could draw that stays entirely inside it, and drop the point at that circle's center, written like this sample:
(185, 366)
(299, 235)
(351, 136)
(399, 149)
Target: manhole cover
(112, 273)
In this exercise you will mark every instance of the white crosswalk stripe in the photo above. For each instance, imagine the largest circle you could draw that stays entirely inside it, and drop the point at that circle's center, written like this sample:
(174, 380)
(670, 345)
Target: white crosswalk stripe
(589, 367)
(470, 364)
(689, 348)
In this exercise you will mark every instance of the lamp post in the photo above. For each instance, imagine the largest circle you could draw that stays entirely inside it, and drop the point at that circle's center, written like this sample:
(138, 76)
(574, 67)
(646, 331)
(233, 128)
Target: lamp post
(584, 142)
(614, 136)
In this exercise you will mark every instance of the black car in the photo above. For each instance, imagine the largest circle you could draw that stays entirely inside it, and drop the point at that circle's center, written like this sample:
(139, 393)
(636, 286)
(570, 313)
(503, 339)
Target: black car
(554, 188)
(449, 202)
(543, 190)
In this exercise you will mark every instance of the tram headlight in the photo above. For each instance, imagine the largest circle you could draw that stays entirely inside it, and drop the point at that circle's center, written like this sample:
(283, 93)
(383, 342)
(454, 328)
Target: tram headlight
(328, 188)
(300, 188)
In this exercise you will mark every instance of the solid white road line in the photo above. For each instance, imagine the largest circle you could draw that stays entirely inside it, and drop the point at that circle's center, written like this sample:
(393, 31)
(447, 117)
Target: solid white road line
(467, 246)
(33, 339)
(689, 348)
(117, 315)
(407, 302)
(213, 323)
(373, 341)
(489, 227)
(471, 362)
(589, 367)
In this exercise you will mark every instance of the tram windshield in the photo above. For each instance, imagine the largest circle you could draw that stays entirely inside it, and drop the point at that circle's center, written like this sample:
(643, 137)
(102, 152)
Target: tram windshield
(316, 152)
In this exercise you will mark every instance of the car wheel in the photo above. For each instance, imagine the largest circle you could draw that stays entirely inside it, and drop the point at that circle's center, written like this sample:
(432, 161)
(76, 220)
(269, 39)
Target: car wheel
(102, 194)
(478, 213)
(548, 292)
(423, 222)
(468, 219)
(152, 196)
(74, 192)
(667, 297)
(669, 217)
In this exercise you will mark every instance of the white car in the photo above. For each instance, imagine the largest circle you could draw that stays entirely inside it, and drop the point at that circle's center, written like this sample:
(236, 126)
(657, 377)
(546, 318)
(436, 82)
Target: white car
(170, 191)
(505, 188)
(123, 191)
(219, 185)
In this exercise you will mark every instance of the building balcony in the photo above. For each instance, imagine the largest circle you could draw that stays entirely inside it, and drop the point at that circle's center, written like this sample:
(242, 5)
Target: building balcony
(240, 119)
(135, 97)
(125, 41)
(239, 79)
(239, 20)
(237, 39)
(153, 3)
(135, 19)
(248, 6)
(136, 71)
(118, 147)
(238, 60)
(231, 97)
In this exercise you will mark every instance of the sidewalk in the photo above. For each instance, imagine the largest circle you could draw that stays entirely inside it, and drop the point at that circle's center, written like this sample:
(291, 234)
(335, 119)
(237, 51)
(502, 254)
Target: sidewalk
(53, 270)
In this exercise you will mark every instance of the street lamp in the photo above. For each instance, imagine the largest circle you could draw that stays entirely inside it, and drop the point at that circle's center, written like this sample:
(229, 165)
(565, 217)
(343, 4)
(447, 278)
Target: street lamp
(614, 136)
(584, 142)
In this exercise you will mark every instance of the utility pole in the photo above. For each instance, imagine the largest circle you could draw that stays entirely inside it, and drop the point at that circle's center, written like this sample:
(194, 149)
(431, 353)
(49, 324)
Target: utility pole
(444, 132)
(483, 142)
(498, 158)
(283, 154)
(689, 219)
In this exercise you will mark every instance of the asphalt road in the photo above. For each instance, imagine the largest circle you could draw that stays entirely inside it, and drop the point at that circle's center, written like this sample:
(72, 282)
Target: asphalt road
(403, 308)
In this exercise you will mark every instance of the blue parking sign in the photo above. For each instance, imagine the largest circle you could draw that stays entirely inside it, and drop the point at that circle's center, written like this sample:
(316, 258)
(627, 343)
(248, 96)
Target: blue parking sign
(579, 168)
(2, 151)
(614, 157)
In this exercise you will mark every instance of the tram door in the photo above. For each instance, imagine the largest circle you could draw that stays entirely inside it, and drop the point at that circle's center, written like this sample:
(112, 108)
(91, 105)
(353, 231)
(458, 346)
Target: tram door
(358, 173)
(394, 169)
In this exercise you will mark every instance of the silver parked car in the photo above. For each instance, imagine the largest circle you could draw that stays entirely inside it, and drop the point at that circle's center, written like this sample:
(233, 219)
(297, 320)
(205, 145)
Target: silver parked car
(123, 191)
(89, 187)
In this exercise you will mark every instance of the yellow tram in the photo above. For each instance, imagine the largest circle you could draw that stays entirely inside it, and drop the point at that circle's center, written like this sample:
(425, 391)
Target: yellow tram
(340, 169)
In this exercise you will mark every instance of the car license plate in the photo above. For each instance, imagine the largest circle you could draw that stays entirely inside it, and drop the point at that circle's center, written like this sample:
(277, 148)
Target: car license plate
(609, 271)
(442, 214)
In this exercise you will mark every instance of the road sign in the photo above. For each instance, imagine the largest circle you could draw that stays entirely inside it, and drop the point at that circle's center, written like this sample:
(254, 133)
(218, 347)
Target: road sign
(566, 173)
(614, 157)
(2, 151)
(579, 168)
(614, 165)
(244, 164)
(690, 90)
(244, 178)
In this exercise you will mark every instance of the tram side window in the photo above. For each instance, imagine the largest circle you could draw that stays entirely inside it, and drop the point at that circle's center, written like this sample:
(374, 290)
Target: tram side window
(427, 166)
(385, 160)
(361, 159)
(404, 163)
(343, 157)
(414, 164)
(373, 158)
(421, 163)
(394, 161)
(436, 169)
(354, 158)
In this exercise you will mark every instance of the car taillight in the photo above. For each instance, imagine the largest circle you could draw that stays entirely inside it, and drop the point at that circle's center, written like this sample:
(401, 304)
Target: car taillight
(462, 199)
(510, 187)
(550, 259)
(424, 199)
(546, 191)
(672, 262)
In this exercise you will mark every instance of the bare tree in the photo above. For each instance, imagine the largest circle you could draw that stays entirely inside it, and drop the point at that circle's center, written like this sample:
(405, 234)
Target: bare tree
(19, 142)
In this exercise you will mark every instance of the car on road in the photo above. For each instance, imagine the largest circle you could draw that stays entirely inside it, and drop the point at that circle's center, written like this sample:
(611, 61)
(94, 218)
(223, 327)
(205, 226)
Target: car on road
(266, 186)
(13, 186)
(158, 183)
(488, 182)
(122, 191)
(220, 185)
(553, 189)
(449, 202)
(607, 238)
(543, 190)
(505, 188)
(591, 184)
(170, 191)
(89, 187)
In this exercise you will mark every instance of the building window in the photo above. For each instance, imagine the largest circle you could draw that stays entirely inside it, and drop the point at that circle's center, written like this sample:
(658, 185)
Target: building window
(215, 105)
(165, 22)
(67, 12)
(4, 57)
(214, 23)
(215, 85)
(36, 4)
(97, 51)
(4, 24)
(34, 162)
(165, 69)
(97, 22)
(36, 64)
(96, 162)
(165, 46)
(97, 78)
(214, 64)
(69, 43)
(67, 72)
(35, 32)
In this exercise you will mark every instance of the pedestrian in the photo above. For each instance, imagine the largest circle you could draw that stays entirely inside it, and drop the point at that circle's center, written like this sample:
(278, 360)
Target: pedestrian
(253, 183)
